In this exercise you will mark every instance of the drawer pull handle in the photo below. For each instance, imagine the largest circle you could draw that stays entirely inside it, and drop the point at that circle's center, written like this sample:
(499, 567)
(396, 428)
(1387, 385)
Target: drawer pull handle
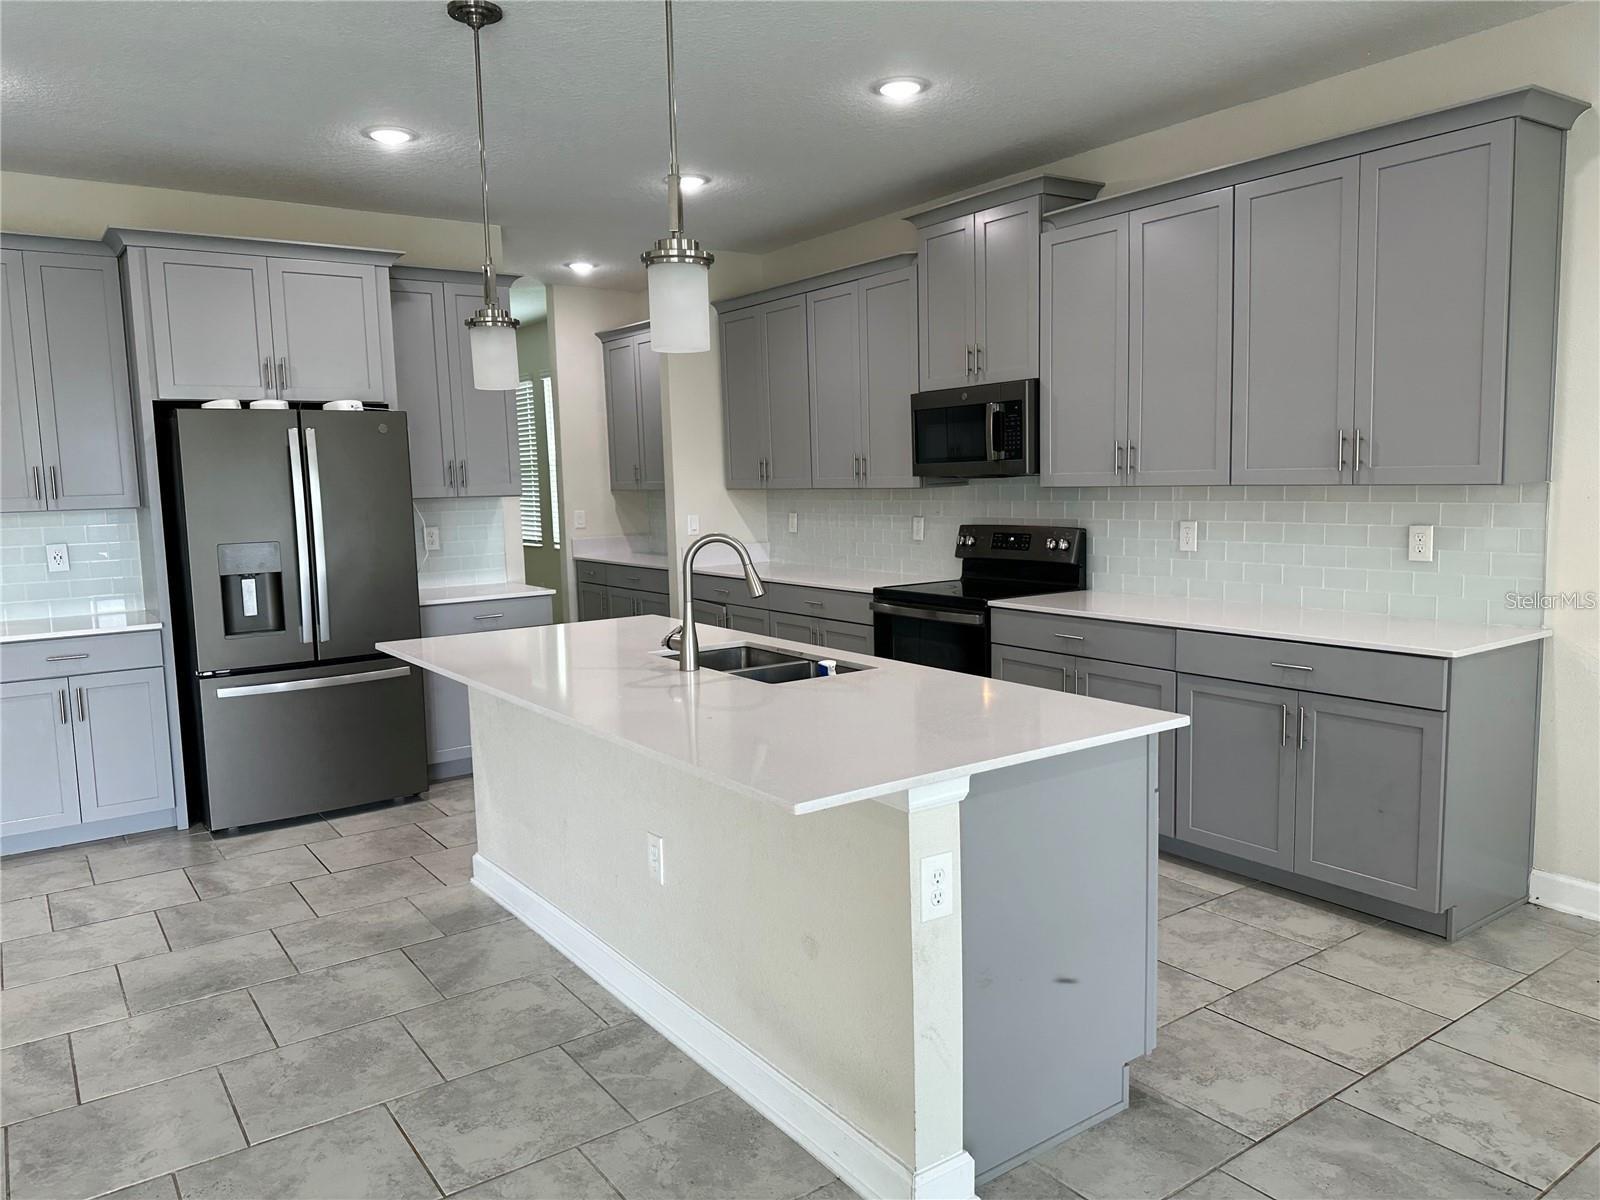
(1071, 637)
(1293, 666)
(64, 657)
(815, 604)
(488, 617)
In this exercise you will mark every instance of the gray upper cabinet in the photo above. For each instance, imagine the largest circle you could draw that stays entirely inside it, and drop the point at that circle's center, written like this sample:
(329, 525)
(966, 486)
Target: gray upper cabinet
(1006, 247)
(1294, 326)
(212, 320)
(947, 287)
(1180, 345)
(652, 434)
(1083, 368)
(38, 782)
(486, 421)
(422, 384)
(326, 330)
(835, 346)
(633, 410)
(766, 389)
(744, 397)
(68, 414)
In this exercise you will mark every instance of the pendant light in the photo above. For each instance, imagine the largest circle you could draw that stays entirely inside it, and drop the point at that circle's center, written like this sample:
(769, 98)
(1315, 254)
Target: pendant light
(493, 329)
(677, 270)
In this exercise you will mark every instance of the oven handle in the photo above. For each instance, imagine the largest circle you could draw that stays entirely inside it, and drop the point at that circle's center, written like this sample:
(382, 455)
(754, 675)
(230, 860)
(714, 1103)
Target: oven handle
(928, 614)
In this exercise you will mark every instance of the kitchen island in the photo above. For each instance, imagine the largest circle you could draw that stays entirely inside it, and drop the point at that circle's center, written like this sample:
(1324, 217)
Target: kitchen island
(907, 914)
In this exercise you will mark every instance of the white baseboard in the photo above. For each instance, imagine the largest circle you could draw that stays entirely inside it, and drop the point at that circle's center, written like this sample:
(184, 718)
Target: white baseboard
(1565, 893)
(861, 1162)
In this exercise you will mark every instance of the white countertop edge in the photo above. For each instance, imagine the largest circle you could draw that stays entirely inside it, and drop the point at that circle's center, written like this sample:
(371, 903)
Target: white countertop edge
(45, 635)
(466, 593)
(833, 579)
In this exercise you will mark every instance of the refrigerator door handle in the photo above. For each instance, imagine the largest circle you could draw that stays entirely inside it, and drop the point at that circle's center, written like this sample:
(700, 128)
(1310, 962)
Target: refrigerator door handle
(324, 608)
(302, 551)
(307, 685)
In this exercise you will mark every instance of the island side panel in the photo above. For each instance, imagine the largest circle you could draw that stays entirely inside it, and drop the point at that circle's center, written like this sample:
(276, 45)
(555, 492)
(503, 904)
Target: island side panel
(793, 934)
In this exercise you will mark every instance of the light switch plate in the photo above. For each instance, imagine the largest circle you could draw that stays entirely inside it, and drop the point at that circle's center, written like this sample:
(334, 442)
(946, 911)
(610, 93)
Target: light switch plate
(794, 522)
(1419, 543)
(918, 529)
(56, 559)
(580, 519)
(691, 524)
(1188, 535)
(430, 537)
(656, 852)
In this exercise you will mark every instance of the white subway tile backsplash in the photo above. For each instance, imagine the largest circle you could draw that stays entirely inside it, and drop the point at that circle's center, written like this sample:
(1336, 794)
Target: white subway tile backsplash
(103, 552)
(472, 546)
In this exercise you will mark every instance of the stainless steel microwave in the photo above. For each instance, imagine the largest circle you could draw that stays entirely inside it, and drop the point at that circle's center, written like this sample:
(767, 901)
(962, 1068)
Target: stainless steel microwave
(980, 431)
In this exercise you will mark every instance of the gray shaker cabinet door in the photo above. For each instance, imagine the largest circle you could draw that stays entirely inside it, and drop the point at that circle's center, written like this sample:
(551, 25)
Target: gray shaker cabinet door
(486, 421)
(652, 443)
(889, 375)
(806, 630)
(21, 468)
(592, 602)
(325, 330)
(1180, 344)
(788, 388)
(744, 397)
(1236, 763)
(80, 374)
(1036, 668)
(835, 321)
(1147, 688)
(622, 414)
(847, 636)
(212, 322)
(749, 620)
(422, 384)
(1006, 241)
(1370, 798)
(1294, 326)
(124, 755)
(947, 289)
(38, 781)
(1431, 313)
(1083, 365)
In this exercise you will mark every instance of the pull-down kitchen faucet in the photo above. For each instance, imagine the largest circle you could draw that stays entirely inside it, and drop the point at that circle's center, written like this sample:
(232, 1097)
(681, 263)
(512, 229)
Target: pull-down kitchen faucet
(689, 651)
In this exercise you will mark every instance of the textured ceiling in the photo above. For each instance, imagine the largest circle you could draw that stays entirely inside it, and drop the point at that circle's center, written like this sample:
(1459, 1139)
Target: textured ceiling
(266, 98)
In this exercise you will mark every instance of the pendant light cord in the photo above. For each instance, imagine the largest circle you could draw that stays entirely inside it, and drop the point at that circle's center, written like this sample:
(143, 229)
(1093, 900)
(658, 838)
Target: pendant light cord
(672, 97)
(483, 172)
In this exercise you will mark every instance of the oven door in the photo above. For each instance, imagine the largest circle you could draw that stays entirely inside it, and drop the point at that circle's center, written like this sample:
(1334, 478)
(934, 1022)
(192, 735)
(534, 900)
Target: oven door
(954, 640)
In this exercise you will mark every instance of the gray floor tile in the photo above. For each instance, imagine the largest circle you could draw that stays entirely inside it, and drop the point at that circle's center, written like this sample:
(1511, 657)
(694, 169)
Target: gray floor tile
(169, 1042)
(69, 951)
(1219, 1185)
(1423, 974)
(123, 1139)
(104, 901)
(1521, 941)
(568, 1175)
(43, 1010)
(1580, 1183)
(163, 835)
(1144, 1153)
(837, 1190)
(35, 1078)
(1239, 1076)
(1519, 1126)
(499, 1023)
(494, 1121)
(309, 1005)
(1174, 896)
(34, 877)
(160, 1188)
(362, 1156)
(279, 837)
(1297, 917)
(1572, 981)
(381, 845)
(452, 831)
(450, 866)
(1027, 1182)
(206, 970)
(328, 894)
(1533, 1038)
(458, 907)
(255, 871)
(147, 858)
(644, 1072)
(323, 941)
(1338, 1152)
(601, 1002)
(232, 916)
(477, 958)
(1179, 993)
(24, 918)
(1340, 1021)
(1568, 921)
(453, 796)
(296, 1087)
(1223, 951)
(383, 816)
(716, 1146)
(1207, 879)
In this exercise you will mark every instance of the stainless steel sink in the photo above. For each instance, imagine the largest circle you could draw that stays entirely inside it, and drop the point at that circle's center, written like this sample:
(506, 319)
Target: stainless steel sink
(765, 665)
(789, 672)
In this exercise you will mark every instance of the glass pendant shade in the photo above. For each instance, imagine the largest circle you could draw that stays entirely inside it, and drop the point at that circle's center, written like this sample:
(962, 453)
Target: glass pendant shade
(680, 307)
(494, 358)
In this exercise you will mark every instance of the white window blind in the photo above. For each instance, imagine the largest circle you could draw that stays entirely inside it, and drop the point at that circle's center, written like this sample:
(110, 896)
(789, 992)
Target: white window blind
(529, 417)
(554, 482)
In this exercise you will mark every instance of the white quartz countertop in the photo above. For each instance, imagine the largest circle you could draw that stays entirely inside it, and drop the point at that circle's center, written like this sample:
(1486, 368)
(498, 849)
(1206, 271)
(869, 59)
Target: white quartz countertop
(818, 575)
(80, 625)
(623, 557)
(1364, 631)
(467, 592)
(804, 746)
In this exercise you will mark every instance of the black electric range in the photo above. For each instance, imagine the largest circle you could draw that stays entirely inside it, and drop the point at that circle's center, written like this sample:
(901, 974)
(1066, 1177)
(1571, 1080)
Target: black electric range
(946, 623)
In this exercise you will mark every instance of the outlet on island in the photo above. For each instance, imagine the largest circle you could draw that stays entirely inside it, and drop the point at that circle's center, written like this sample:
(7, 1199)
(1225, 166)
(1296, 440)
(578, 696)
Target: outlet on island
(938, 886)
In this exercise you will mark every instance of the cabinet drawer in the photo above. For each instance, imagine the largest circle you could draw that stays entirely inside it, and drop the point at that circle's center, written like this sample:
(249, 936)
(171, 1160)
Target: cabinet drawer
(1334, 670)
(820, 602)
(722, 589)
(591, 572)
(1113, 641)
(54, 658)
(476, 616)
(639, 579)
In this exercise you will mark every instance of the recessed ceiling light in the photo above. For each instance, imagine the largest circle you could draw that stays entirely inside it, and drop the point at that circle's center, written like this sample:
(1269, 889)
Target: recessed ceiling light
(692, 183)
(900, 89)
(580, 267)
(390, 135)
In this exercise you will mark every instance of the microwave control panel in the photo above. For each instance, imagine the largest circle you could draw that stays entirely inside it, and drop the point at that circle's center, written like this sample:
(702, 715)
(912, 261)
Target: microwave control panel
(1011, 434)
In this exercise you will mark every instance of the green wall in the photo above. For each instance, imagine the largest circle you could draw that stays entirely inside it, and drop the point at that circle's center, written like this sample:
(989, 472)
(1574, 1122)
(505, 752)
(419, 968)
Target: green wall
(541, 564)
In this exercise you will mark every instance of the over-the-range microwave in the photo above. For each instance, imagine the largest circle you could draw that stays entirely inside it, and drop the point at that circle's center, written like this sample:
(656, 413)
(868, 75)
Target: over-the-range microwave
(979, 431)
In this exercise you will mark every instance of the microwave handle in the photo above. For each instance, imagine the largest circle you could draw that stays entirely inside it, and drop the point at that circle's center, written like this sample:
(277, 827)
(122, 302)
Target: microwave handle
(991, 410)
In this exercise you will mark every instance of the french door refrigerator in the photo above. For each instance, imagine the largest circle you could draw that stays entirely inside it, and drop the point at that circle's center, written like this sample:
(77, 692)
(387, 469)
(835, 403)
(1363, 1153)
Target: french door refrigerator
(294, 548)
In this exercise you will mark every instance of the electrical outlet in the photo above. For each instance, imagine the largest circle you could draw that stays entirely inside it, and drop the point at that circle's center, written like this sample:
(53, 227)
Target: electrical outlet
(918, 529)
(430, 537)
(1188, 535)
(692, 524)
(938, 886)
(656, 851)
(1419, 544)
(56, 559)
(580, 519)
(794, 522)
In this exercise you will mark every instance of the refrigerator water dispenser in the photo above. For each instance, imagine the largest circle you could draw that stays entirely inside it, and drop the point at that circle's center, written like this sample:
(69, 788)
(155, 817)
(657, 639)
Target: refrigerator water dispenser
(252, 588)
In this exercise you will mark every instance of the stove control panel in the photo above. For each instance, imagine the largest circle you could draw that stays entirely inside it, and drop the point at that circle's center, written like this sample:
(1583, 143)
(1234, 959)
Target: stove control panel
(1029, 543)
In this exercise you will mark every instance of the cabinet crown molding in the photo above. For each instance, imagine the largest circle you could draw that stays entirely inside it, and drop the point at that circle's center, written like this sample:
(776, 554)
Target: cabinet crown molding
(54, 245)
(442, 275)
(121, 240)
(623, 331)
(1055, 189)
(799, 287)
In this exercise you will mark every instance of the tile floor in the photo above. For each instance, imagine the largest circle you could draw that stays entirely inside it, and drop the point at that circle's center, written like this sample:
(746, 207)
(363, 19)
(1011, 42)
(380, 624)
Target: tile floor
(329, 1010)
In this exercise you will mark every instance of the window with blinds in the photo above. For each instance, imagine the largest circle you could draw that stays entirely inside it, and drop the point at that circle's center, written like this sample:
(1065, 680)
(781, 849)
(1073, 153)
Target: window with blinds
(541, 515)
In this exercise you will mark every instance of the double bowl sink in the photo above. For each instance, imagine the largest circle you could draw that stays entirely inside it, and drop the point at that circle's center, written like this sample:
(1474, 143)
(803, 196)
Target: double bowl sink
(765, 665)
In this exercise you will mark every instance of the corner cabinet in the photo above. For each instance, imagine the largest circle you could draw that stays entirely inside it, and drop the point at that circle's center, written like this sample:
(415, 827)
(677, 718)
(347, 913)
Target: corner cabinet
(66, 414)
(633, 409)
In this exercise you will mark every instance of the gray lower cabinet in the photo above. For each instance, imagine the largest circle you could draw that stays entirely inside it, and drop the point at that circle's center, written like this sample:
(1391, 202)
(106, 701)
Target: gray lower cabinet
(593, 603)
(38, 770)
(1145, 687)
(1036, 668)
(633, 409)
(846, 636)
(749, 620)
(794, 628)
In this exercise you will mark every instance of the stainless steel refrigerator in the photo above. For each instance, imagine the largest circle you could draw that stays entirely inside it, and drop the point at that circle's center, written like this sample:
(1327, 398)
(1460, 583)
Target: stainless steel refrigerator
(290, 536)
